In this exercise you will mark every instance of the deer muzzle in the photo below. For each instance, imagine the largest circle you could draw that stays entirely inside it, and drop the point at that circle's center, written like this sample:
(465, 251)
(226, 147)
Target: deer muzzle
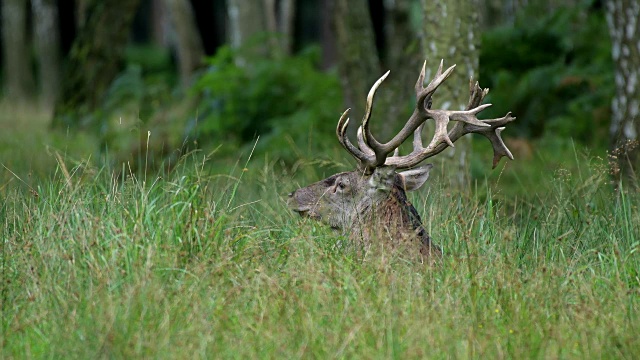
(299, 202)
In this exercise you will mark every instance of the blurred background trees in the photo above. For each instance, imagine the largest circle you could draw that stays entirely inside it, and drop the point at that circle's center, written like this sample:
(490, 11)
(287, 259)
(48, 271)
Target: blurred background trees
(96, 57)
(188, 44)
(210, 73)
(17, 76)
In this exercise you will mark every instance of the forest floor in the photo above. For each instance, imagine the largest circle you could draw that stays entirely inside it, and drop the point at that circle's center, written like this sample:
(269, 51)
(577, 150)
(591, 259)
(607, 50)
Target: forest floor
(541, 260)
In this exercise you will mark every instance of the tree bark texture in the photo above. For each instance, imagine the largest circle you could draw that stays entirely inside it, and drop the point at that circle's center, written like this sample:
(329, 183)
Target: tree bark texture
(279, 16)
(95, 59)
(450, 32)
(17, 71)
(47, 41)
(189, 43)
(404, 58)
(623, 18)
(286, 16)
(327, 35)
(248, 19)
(358, 61)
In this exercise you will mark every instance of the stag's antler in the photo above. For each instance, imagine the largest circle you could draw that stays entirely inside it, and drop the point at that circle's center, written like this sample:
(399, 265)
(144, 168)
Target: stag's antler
(371, 153)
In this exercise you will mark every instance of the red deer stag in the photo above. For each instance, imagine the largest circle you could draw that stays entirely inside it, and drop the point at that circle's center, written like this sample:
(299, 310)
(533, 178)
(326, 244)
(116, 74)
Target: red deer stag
(370, 202)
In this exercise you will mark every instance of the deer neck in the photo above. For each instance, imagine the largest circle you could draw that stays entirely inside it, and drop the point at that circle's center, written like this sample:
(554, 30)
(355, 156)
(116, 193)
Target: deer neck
(407, 222)
(394, 216)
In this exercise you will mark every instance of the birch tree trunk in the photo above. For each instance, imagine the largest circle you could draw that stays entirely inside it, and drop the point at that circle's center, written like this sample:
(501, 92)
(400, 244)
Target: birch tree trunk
(19, 79)
(47, 41)
(623, 18)
(451, 33)
(188, 42)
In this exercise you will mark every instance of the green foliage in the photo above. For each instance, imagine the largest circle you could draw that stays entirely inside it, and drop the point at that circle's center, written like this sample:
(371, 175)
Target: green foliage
(143, 88)
(282, 100)
(137, 94)
(153, 59)
(141, 99)
(554, 73)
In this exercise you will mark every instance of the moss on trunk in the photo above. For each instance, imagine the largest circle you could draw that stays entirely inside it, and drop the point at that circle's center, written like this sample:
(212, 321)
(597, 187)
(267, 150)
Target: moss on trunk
(96, 58)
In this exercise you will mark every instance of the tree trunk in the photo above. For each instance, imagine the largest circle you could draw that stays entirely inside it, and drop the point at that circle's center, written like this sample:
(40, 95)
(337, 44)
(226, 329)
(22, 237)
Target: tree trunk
(404, 59)
(451, 33)
(327, 35)
(624, 29)
(279, 16)
(19, 79)
(250, 18)
(189, 43)
(160, 23)
(247, 20)
(286, 18)
(47, 40)
(358, 62)
(95, 59)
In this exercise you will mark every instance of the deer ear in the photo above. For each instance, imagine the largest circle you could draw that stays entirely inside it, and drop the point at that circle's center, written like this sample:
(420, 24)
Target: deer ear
(413, 179)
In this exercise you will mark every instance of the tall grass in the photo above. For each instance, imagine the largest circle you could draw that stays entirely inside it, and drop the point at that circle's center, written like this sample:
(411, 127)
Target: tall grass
(203, 263)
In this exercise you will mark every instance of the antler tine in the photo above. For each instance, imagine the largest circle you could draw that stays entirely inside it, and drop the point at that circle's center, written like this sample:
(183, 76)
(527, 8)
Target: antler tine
(420, 82)
(424, 94)
(417, 118)
(417, 137)
(493, 133)
(467, 122)
(476, 94)
(363, 144)
(439, 72)
(371, 153)
(373, 144)
(341, 132)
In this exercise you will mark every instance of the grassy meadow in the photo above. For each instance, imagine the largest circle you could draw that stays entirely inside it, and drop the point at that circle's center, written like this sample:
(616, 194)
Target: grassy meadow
(542, 260)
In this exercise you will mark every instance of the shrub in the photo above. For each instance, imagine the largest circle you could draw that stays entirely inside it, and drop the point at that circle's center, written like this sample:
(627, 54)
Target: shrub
(282, 100)
(554, 73)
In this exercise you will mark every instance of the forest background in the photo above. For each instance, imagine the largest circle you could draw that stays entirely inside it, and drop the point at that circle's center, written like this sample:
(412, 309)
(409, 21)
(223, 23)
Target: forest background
(220, 74)
(147, 147)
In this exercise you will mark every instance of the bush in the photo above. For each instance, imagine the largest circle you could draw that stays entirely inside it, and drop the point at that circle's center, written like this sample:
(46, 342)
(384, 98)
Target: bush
(555, 73)
(282, 100)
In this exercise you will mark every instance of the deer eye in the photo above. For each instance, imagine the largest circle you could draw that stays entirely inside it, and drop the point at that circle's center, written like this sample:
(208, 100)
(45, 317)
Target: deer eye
(341, 185)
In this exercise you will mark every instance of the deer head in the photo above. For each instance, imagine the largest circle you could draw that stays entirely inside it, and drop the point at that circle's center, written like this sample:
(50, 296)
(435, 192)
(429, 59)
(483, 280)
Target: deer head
(371, 200)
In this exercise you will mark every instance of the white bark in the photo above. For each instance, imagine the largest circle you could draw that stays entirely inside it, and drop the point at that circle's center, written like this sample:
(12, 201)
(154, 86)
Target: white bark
(623, 18)
(451, 33)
